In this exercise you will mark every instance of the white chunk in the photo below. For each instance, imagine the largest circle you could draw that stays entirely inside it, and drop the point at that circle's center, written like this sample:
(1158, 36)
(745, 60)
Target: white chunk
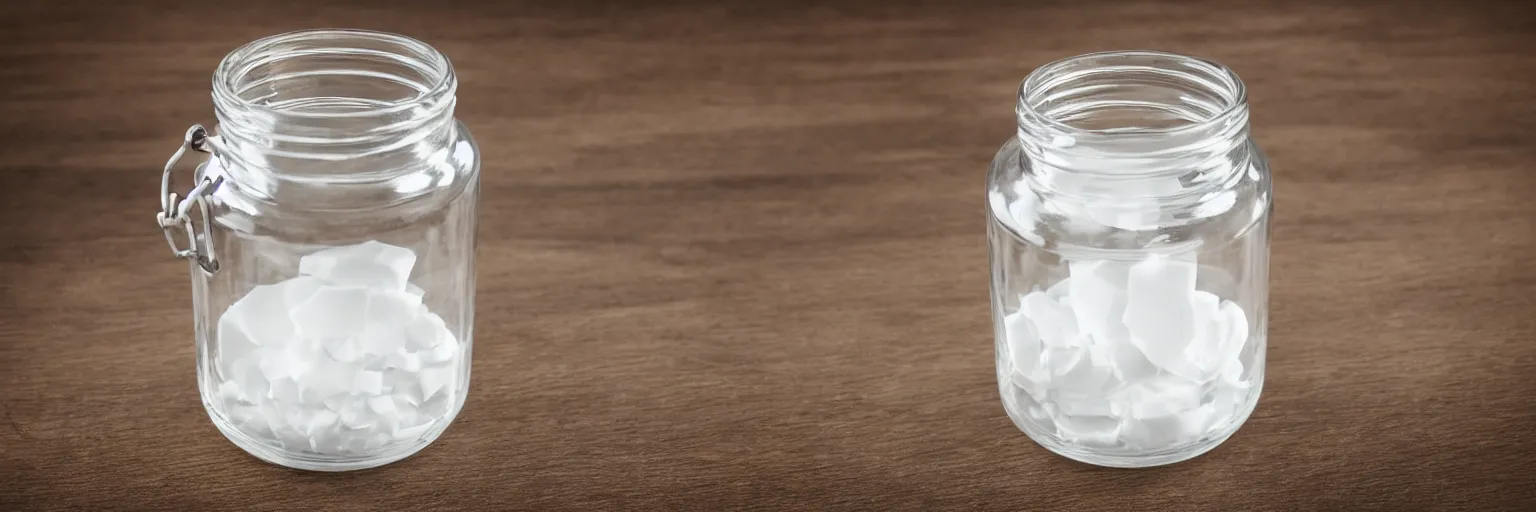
(302, 357)
(382, 340)
(1089, 430)
(1232, 377)
(274, 416)
(1078, 372)
(329, 442)
(1168, 273)
(320, 263)
(1162, 396)
(323, 262)
(358, 416)
(1060, 291)
(261, 316)
(273, 365)
(394, 308)
(1083, 405)
(443, 352)
(383, 407)
(232, 343)
(1237, 331)
(231, 394)
(368, 383)
(337, 403)
(355, 444)
(1127, 364)
(298, 290)
(1225, 405)
(292, 439)
(295, 416)
(403, 384)
(290, 430)
(415, 290)
(1054, 323)
(285, 391)
(407, 405)
(1093, 297)
(1098, 298)
(342, 349)
(434, 380)
(1024, 355)
(436, 408)
(249, 419)
(427, 331)
(1204, 356)
(1131, 366)
(398, 258)
(1159, 312)
(240, 415)
(333, 312)
(247, 375)
(330, 379)
(407, 361)
(320, 421)
(1154, 433)
(285, 361)
(369, 264)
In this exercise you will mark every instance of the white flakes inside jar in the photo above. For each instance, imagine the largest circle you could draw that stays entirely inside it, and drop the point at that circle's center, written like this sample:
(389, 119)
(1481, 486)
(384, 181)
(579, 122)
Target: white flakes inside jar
(342, 359)
(1122, 354)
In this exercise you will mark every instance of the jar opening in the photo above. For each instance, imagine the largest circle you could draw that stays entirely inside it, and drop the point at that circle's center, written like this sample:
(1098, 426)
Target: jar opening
(1129, 94)
(333, 105)
(332, 73)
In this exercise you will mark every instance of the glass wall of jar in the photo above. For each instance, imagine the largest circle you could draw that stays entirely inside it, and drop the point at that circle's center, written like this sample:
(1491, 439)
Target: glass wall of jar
(1129, 241)
(332, 233)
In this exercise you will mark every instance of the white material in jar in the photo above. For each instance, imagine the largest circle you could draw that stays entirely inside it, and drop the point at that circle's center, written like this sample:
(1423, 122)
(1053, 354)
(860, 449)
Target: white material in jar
(342, 359)
(1130, 354)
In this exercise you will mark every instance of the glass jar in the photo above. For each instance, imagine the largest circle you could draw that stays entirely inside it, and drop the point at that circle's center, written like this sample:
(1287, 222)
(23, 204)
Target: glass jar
(332, 235)
(1129, 241)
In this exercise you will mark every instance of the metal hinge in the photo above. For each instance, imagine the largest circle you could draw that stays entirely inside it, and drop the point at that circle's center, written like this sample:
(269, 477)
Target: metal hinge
(173, 216)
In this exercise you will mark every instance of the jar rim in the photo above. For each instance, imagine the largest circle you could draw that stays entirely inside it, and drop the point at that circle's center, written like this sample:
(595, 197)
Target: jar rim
(234, 66)
(1222, 81)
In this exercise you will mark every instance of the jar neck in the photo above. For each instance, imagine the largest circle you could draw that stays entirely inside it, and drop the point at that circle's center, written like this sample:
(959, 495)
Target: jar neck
(1125, 121)
(332, 107)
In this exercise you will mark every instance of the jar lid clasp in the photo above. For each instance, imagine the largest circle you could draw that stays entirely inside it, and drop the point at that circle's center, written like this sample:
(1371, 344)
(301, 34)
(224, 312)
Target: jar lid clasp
(174, 211)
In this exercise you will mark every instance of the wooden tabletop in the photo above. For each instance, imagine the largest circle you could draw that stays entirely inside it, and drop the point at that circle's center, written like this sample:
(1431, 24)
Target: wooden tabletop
(732, 256)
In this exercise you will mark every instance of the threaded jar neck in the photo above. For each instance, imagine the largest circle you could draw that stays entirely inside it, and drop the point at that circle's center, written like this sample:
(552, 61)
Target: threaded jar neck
(333, 106)
(1130, 115)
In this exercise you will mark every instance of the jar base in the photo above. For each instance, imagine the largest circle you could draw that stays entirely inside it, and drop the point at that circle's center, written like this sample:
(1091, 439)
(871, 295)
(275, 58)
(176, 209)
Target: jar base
(1106, 458)
(288, 459)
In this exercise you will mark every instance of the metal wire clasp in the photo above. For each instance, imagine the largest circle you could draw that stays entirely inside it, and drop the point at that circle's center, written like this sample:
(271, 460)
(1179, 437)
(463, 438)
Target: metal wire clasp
(173, 216)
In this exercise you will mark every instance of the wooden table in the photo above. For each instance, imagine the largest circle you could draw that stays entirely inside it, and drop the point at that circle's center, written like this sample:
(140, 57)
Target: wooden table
(732, 257)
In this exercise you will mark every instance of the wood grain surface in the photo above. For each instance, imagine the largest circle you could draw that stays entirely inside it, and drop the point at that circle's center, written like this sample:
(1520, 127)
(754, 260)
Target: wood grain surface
(733, 257)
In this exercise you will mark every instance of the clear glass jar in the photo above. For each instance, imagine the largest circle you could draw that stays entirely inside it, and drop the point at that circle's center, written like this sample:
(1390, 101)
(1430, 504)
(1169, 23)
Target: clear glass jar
(332, 234)
(1129, 241)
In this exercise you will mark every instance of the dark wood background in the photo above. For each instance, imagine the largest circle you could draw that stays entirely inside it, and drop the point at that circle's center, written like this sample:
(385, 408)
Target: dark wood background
(732, 257)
